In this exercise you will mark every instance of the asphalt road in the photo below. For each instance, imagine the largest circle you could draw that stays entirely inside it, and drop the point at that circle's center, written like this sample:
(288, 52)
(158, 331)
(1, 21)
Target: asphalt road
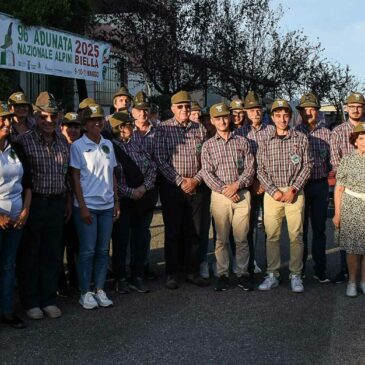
(200, 326)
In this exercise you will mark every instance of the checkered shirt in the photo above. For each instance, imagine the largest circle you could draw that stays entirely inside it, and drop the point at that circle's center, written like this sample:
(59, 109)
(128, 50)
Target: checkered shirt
(340, 143)
(48, 164)
(147, 140)
(225, 162)
(319, 142)
(284, 162)
(178, 150)
(142, 159)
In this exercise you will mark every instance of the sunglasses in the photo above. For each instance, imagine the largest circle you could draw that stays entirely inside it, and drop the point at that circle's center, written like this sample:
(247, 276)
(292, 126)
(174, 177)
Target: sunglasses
(183, 106)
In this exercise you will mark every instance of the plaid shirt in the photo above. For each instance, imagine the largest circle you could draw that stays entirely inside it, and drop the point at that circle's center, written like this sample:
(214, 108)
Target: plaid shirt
(146, 140)
(178, 150)
(48, 164)
(225, 162)
(256, 136)
(284, 162)
(142, 159)
(340, 143)
(319, 143)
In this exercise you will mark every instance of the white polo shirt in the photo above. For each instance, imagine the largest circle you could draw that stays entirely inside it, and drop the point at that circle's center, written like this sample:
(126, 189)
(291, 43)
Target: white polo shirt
(11, 173)
(96, 163)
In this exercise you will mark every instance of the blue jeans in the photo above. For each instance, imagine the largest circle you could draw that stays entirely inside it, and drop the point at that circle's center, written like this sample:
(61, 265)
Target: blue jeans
(9, 243)
(94, 241)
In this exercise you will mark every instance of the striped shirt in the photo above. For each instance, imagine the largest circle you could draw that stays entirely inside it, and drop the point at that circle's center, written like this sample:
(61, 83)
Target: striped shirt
(284, 162)
(178, 150)
(340, 143)
(225, 162)
(142, 159)
(146, 140)
(48, 163)
(319, 142)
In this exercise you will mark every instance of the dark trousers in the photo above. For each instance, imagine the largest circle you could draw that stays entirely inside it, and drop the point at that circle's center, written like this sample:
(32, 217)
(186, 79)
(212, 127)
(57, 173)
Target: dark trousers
(257, 202)
(134, 231)
(316, 204)
(206, 219)
(71, 244)
(40, 253)
(182, 214)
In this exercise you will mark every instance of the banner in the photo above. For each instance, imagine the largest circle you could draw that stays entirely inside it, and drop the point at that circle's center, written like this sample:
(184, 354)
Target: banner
(51, 52)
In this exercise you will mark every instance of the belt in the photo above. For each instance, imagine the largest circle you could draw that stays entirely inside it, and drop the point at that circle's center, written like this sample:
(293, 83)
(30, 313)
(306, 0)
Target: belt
(49, 196)
(355, 194)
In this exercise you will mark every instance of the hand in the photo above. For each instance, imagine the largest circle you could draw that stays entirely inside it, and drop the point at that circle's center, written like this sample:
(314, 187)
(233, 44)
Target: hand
(256, 188)
(230, 190)
(288, 196)
(142, 189)
(21, 219)
(136, 194)
(189, 185)
(85, 215)
(278, 196)
(235, 198)
(336, 220)
(5, 221)
(116, 211)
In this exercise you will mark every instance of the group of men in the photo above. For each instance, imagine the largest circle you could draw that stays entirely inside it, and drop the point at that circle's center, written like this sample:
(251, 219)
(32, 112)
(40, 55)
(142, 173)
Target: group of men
(228, 173)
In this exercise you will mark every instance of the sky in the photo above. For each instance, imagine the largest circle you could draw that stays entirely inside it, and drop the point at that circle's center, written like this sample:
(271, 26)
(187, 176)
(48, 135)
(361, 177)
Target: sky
(339, 25)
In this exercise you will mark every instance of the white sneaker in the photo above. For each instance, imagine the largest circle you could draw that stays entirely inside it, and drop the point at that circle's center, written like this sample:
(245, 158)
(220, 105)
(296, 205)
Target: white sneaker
(102, 299)
(296, 284)
(270, 282)
(351, 290)
(204, 270)
(257, 268)
(88, 301)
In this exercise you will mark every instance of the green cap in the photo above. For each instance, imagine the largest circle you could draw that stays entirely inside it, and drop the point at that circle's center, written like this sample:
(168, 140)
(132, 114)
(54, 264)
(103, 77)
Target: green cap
(280, 103)
(17, 98)
(123, 91)
(141, 101)
(252, 100)
(308, 100)
(219, 110)
(236, 104)
(46, 103)
(181, 97)
(359, 128)
(357, 98)
(4, 111)
(71, 118)
(86, 102)
(195, 107)
(119, 118)
(92, 111)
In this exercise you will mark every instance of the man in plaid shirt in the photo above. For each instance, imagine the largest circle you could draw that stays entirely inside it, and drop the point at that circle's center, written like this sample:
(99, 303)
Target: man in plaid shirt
(340, 147)
(228, 169)
(316, 189)
(40, 255)
(178, 145)
(284, 166)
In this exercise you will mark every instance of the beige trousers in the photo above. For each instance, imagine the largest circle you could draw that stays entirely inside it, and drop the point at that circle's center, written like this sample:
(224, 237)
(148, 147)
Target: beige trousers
(236, 216)
(274, 212)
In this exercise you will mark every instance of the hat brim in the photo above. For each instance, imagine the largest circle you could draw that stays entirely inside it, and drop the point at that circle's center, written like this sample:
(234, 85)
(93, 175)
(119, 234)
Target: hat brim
(18, 103)
(46, 110)
(222, 114)
(142, 107)
(180, 102)
(6, 114)
(251, 106)
(307, 105)
(69, 122)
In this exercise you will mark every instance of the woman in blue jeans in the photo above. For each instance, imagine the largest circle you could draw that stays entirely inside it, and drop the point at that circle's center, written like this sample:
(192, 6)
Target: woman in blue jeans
(96, 205)
(15, 198)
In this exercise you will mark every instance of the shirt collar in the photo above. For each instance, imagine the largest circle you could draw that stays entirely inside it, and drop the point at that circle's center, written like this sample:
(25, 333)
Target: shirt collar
(89, 141)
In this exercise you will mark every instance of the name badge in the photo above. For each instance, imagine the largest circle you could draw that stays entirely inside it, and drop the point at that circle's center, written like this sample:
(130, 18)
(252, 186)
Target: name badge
(294, 158)
(199, 147)
(239, 163)
(323, 153)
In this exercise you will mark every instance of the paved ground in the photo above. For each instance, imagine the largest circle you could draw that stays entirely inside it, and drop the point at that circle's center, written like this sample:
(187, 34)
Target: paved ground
(199, 326)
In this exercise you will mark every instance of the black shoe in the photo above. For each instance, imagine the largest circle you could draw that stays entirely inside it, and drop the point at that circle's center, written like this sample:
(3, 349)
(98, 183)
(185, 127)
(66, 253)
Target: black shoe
(172, 282)
(13, 320)
(64, 292)
(197, 280)
(149, 275)
(137, 284)
(321, 277)
(222, 283)
(246, 283)
(341, 277)
(121, 286)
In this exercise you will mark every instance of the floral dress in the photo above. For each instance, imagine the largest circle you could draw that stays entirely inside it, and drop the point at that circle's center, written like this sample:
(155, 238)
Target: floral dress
(351, 175)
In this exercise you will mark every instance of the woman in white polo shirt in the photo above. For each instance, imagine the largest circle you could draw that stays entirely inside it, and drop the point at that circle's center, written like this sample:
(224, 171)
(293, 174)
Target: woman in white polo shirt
(15, 198)
(96, 205)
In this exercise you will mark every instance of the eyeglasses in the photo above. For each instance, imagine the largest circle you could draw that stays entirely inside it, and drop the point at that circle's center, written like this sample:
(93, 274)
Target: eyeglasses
(45, 117)
(353, 107)
(183, 106)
